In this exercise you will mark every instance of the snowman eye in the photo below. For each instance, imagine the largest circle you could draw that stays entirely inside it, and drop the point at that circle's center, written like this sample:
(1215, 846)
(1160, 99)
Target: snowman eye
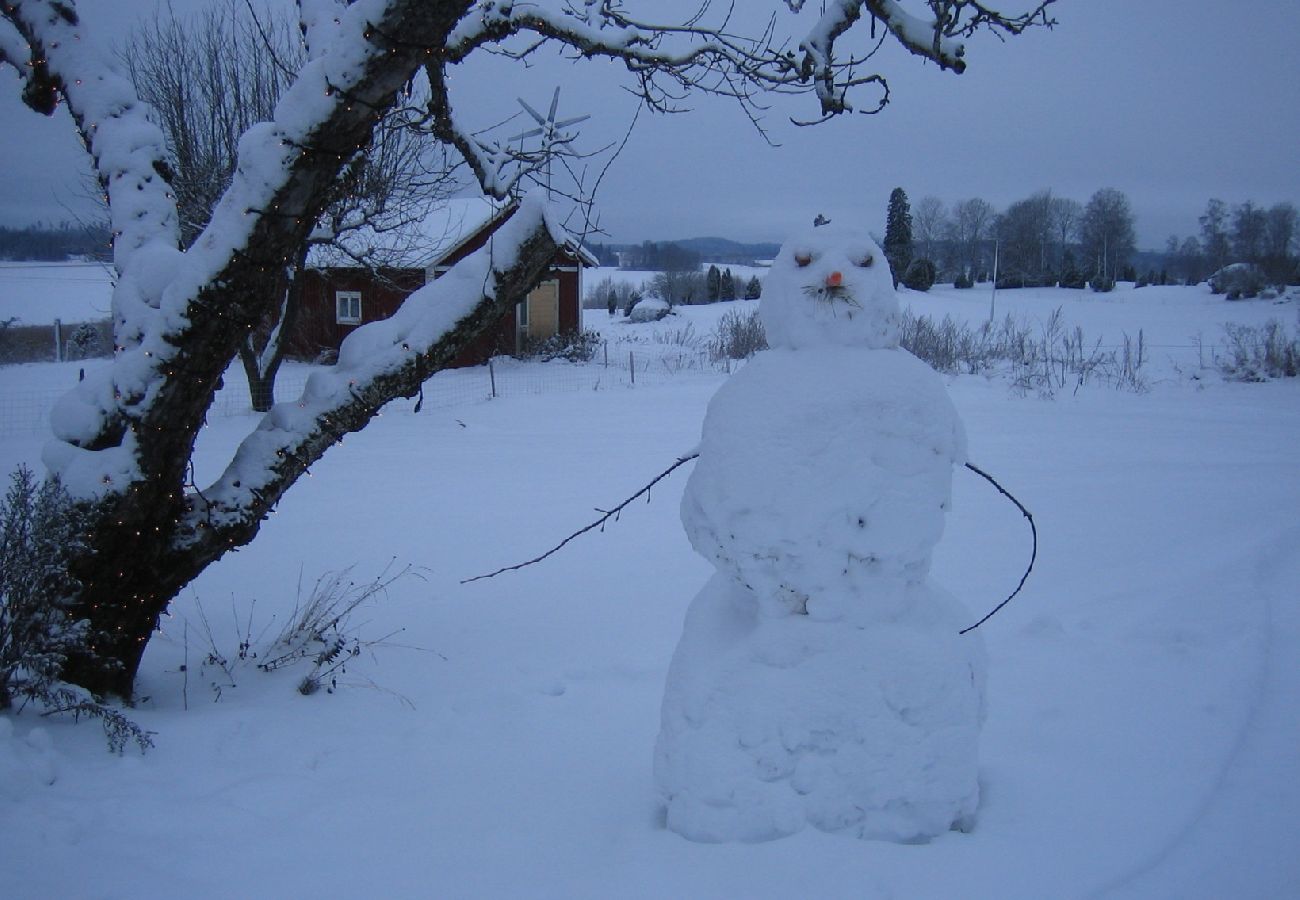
(802, 258)
(865, 260)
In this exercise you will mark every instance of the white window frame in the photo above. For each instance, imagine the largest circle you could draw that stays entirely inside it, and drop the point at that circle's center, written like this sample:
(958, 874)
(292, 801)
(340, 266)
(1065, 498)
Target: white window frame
(347, 307)
(521, 314)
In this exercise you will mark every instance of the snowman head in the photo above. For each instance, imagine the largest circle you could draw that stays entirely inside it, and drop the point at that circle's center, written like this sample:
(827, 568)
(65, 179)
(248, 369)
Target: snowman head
(830, 286)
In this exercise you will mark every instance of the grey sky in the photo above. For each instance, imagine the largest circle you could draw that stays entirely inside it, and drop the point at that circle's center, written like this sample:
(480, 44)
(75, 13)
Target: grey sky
(1171, 101)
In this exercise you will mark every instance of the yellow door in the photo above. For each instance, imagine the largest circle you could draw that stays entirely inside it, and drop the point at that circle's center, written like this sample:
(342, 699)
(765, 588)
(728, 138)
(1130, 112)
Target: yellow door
(544, 311)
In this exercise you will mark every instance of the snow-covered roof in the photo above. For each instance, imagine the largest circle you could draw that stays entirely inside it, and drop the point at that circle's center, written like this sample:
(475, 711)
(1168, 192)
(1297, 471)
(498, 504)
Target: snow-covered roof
(414, 245)
(425, 243)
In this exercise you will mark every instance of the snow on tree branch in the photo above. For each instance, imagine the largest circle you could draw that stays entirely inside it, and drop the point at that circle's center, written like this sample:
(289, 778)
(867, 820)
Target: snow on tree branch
(377, 362)
(320, 21)
(128, 150)
(213, 295)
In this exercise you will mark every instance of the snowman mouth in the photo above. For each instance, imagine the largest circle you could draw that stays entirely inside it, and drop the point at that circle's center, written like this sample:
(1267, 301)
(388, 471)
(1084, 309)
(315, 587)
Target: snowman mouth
(832, 294)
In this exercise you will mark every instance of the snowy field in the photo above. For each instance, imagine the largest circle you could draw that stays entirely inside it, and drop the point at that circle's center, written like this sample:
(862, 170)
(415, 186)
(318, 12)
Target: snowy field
(1143, 737)
(37, 293)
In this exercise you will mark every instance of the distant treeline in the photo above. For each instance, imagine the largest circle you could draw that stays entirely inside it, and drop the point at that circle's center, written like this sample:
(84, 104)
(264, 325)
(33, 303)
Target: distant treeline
(681, 256)
(54, 243)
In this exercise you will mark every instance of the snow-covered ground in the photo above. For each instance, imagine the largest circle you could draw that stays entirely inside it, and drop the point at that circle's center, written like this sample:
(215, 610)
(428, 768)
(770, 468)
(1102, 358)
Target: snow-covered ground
(37, 293)
(1144, 701)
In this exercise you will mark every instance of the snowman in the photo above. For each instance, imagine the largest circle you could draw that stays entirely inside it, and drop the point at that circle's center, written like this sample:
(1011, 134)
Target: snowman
(820, 678)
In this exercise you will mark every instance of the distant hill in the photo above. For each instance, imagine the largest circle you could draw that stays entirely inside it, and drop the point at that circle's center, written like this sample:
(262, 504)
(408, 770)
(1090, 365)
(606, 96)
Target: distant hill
(722, 250)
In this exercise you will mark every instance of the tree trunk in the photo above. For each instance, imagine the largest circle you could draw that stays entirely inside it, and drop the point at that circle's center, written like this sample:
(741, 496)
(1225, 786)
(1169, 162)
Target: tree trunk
(146, 544)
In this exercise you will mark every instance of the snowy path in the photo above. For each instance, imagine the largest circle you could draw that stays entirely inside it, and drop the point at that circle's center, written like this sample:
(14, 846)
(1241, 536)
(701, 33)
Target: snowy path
(1257, 784)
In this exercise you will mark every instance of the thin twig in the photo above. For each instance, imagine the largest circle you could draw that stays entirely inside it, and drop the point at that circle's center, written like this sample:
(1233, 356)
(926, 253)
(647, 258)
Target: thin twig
(1033, 531)
(611, 514)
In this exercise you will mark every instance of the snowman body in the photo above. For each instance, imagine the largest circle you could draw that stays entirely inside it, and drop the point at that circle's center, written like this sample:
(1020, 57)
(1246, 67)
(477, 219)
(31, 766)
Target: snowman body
(820, 678)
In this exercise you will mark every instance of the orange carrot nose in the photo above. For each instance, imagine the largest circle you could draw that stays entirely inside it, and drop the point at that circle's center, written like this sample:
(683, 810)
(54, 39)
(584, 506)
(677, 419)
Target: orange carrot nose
(835, 279)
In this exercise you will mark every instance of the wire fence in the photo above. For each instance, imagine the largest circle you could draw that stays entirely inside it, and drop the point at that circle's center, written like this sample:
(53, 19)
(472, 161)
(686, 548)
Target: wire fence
(27, 411)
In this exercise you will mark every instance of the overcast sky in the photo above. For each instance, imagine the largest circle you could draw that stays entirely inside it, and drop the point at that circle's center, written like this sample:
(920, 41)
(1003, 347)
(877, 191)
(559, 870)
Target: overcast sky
(1170, 101)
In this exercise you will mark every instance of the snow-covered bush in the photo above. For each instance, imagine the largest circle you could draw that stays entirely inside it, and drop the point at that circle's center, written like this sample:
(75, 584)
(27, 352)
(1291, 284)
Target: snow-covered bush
(1237, 281)
(575, 346)
(650, 309)
(86, 342)
(37, 528)
(739, 336)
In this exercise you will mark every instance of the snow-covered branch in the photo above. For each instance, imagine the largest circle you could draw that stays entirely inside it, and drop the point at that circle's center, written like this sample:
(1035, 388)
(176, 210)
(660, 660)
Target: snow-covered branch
(379, 361)
(320, 21)
(128, 149)
(211, 297)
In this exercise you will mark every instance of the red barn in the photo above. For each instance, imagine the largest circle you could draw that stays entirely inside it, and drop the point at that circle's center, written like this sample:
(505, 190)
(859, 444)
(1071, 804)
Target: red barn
(337, 297)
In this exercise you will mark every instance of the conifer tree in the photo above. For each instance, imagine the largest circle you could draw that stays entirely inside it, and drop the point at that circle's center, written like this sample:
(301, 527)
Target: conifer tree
(713, 284)
(754, 289)
(898, 234)
(727, 286)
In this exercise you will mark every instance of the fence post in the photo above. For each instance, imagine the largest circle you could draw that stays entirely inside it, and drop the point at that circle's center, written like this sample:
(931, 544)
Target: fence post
(605, 344)
(492, 377)
(58, 340)
(631, 365)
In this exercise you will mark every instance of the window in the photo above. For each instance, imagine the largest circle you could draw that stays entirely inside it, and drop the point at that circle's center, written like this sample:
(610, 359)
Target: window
(347, 307)
(521, 314)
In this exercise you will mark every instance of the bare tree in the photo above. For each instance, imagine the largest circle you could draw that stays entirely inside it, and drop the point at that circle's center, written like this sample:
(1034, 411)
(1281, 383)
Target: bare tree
(1106, 233)
(1065, 215)
(1025, 232)
(1249, 233)
(929, 223)
(1214, 234)
(1280, 228)
(971, 222)
(124, 439)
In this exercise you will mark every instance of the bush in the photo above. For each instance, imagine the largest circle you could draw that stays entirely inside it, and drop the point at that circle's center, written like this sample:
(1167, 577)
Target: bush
(36, 633)
(39, 526)
(85, 342)
(575, 346)
(319, 633)
(1044, 363)
(651, 309)
(1238, 280)
(919, 275)
(963, 282)
(1256, 354)
(739, 336)
(1102, 285)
